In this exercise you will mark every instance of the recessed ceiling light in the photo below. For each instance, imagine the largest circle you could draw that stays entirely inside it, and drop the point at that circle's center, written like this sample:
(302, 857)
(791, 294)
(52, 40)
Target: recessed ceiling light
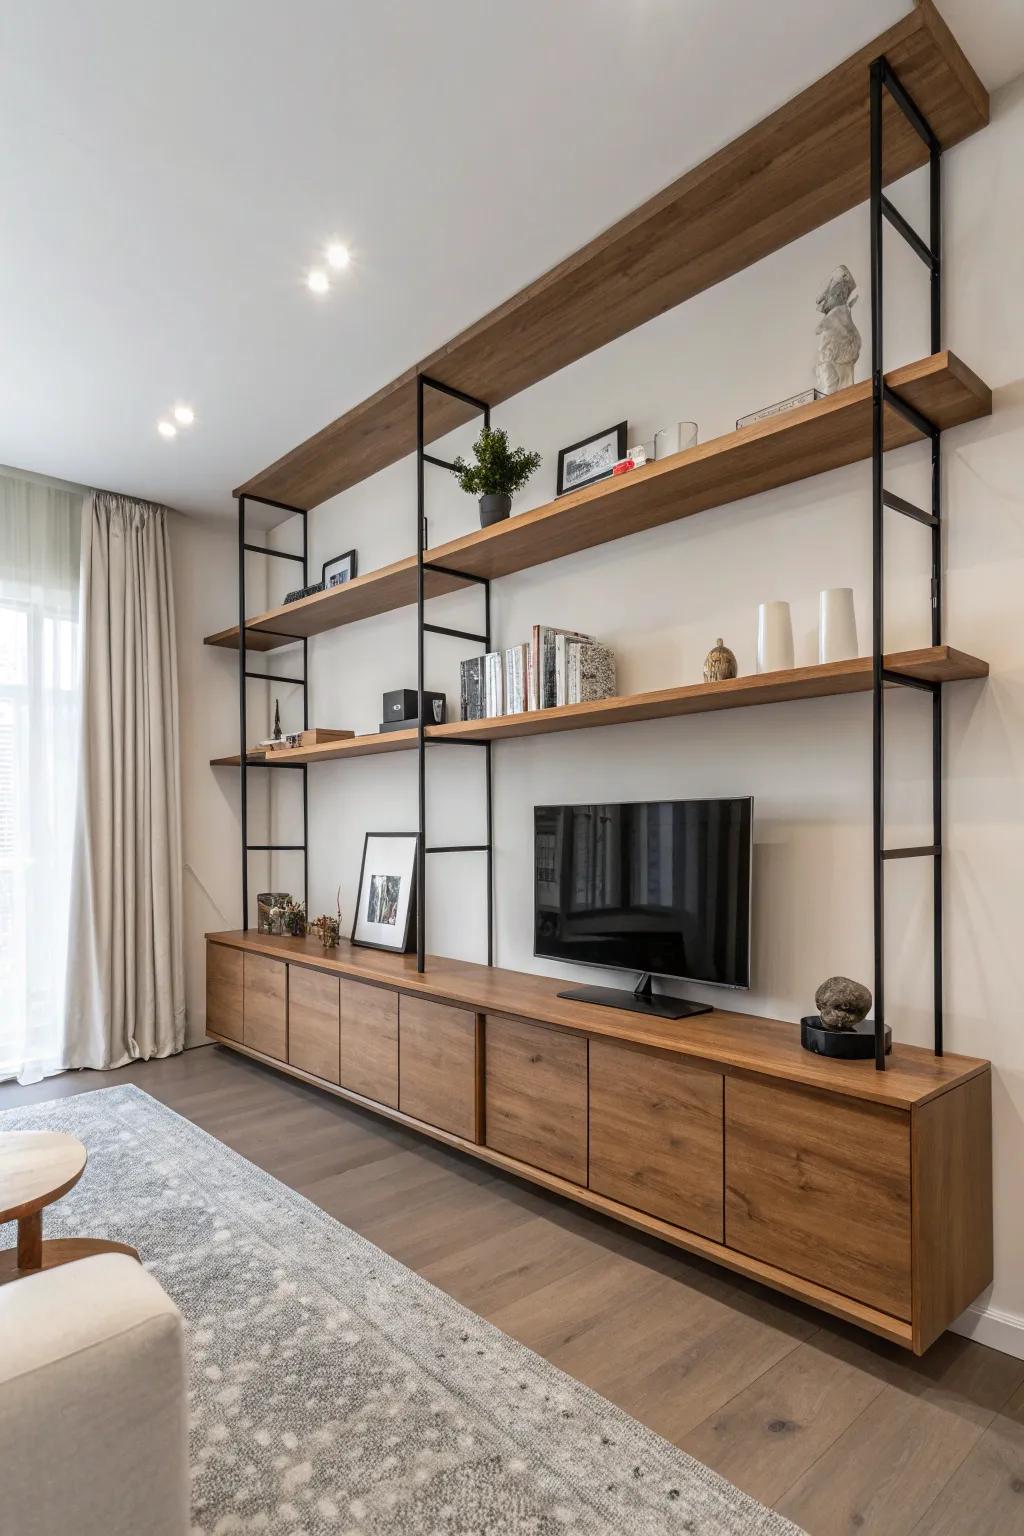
(317, 282)
(167, 429)
(338, 256)
(184, 415)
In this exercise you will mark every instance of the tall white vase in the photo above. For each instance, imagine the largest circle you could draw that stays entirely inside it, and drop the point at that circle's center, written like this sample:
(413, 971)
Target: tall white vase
(774, 637)
(837, 625)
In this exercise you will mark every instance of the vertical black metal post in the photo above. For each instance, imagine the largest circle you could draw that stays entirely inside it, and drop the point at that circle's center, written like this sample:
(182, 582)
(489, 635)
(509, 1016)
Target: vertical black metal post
(877, 539)
(242, 726)
(421, 755)
(935, 240)
(305, 722)
(490, 794)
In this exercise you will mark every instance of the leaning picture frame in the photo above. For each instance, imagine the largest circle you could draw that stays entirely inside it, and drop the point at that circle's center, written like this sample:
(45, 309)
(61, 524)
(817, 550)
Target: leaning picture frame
(386, 899)
(348, 568)
(590, 460)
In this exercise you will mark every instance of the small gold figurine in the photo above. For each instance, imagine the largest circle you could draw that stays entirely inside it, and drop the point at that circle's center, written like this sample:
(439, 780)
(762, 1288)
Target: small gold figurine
(719, 663)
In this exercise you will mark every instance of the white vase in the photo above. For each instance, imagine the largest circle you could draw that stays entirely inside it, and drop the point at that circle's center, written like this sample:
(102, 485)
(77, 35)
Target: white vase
(837, 625)
(774, 637)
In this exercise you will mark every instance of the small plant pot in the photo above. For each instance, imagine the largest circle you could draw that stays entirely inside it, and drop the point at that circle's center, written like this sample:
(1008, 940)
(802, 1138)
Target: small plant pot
(494, 508)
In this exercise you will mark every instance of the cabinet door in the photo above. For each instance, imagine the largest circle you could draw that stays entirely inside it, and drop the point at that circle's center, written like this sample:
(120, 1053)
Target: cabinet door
(820, 1186)
(369, 1041)
(656, 1135)
(265, 1026)
(437, 1065)
(536, 1096)
(224, 991)
(313, 1022)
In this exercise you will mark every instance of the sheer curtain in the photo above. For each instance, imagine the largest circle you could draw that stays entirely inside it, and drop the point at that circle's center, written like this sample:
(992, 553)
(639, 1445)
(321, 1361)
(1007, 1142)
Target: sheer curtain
(40, 553)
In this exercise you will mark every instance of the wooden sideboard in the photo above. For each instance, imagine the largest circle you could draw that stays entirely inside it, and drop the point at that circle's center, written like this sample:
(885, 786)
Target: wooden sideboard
(866, 1194)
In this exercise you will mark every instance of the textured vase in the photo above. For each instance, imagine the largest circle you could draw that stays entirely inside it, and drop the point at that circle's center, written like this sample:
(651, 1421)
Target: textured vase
(774, 637)
(837, 626)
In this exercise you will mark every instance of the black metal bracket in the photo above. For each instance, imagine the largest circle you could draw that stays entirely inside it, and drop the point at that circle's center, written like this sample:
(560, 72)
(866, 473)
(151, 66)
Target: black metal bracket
(423, 458)
(244, 674)
(882, 79)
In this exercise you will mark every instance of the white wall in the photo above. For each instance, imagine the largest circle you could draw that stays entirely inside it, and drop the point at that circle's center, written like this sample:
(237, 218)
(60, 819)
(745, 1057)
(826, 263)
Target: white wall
(661, 599)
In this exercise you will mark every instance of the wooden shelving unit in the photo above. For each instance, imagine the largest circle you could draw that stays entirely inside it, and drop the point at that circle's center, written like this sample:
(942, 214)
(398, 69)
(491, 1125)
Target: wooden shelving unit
(808, 441)
(795, 171)
(935, 664)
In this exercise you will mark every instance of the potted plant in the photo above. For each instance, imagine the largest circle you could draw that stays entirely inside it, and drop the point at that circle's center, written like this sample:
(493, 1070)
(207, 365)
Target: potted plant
(498, 473)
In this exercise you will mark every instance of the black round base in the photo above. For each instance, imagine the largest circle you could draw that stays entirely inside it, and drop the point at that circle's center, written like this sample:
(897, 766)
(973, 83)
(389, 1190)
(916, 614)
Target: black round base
(856, 1044)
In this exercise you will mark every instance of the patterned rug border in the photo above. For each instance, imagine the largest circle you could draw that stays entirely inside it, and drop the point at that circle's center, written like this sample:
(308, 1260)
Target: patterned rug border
(743, 1513)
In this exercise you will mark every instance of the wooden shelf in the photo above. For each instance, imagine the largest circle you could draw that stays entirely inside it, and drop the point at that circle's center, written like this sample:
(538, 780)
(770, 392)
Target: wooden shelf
(795, 171)
(934, 664)
(807, 441)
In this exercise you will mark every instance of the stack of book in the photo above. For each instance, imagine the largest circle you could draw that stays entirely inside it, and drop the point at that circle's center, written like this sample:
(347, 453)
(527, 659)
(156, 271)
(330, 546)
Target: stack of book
(555, 667)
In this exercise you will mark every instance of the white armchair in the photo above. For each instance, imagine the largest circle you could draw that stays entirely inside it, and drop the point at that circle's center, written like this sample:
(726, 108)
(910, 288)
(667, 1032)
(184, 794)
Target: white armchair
(93, 1433)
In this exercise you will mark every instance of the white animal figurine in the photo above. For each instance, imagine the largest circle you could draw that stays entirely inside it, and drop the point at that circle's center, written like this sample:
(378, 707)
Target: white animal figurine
(838, 337)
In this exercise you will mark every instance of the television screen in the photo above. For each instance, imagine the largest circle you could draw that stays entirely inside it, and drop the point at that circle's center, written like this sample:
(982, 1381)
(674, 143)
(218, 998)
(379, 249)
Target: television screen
(660, 886)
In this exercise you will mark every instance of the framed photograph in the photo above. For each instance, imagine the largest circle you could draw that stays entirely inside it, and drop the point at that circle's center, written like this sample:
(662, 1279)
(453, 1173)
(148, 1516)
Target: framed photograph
(387, 891)
(591, 460)
(346, 567)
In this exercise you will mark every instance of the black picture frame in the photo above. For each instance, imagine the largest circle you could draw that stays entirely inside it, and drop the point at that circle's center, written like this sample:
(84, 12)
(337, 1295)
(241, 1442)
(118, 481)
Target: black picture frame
(620, 431)
(353, 569)
(408, 938)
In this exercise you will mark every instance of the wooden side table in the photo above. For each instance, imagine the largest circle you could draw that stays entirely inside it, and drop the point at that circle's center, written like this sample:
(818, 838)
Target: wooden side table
(36, 1168)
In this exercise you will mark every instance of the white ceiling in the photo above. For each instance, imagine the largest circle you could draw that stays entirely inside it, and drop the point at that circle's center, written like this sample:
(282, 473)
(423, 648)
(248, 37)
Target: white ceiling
(171, 171)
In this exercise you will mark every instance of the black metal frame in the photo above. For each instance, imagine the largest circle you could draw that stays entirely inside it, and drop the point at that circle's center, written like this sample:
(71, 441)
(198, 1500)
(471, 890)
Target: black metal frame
(882, 80)
(423, 383)
(244, 674)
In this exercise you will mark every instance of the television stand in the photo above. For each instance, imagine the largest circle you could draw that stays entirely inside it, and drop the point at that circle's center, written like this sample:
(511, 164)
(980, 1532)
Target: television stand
(642, 999)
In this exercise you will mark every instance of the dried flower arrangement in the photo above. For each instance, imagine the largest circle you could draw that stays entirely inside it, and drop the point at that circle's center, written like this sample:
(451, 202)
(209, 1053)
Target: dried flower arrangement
(328, 929)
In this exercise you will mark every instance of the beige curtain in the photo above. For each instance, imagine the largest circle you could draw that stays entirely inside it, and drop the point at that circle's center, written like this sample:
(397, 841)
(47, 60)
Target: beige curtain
(125, 979)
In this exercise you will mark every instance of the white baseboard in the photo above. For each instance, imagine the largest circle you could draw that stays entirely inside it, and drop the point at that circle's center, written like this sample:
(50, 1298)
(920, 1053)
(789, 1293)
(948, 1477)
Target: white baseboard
(988, 1325)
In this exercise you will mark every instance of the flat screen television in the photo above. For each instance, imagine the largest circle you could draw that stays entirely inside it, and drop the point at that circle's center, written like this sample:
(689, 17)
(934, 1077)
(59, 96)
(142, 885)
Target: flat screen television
(658, 886)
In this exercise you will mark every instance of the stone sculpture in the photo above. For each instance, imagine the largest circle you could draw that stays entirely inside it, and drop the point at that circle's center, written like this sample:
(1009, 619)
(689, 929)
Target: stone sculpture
(838, 337)
(842, 1003)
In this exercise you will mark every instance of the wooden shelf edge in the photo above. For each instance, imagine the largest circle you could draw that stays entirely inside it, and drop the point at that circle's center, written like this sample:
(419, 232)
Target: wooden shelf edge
(932, 664)
(810, 440)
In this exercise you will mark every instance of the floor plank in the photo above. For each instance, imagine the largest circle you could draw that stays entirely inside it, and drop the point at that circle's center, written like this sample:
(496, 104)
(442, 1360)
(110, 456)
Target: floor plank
(841, 1431)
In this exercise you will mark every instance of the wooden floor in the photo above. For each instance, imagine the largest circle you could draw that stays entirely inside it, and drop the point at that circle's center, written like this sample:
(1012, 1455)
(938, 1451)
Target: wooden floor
(841, 1432)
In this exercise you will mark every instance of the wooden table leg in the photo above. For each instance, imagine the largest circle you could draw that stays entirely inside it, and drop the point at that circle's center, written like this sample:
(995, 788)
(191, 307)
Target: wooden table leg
(30, 1241)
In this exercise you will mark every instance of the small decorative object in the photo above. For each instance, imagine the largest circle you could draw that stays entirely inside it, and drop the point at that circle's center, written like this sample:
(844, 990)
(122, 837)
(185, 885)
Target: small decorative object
(719, 663)
(348, 570)
(400, 709)
(278, 733)
(386, 899)
(838, 337)
(675, 439)
(593, 459)
(841, 1027)
(327, 928)
(270, 908)
(498, 473)
(805, 397)
(316, 736)
(774, 638)
(837, 625)
(636, 458)
(293, 918)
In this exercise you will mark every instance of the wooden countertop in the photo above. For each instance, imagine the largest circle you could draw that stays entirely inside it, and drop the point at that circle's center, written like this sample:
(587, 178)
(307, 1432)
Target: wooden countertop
(736, 1041)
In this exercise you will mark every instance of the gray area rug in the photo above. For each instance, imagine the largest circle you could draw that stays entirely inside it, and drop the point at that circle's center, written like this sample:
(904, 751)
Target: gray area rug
(336, 1393)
